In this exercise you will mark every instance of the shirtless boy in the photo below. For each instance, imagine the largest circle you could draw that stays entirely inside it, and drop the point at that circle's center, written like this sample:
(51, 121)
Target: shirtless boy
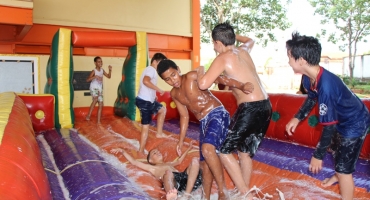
(249, 124)
(173, 180)
(213, 117)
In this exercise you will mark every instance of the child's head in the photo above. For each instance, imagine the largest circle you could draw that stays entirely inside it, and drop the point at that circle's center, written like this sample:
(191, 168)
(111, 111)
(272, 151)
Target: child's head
(157, 58)
(154, 157)
(305, 47)
(98, 61)
(169, 72)
(223, 33)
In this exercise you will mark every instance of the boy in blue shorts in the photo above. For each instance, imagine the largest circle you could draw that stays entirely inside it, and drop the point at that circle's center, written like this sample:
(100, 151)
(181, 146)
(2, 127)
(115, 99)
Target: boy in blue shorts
(344, 116)
(213, 118)
(146, 101)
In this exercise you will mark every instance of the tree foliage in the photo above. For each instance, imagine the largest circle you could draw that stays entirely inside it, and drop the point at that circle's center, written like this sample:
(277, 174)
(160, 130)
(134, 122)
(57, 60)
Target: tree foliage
(257, 17)
(352, 21)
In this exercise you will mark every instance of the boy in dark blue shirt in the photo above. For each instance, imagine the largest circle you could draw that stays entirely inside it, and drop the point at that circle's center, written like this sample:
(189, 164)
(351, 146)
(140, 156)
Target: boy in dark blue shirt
(343, 115)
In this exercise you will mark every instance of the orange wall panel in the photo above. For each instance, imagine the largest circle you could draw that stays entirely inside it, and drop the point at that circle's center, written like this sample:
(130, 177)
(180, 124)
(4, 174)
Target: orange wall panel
(13, 15)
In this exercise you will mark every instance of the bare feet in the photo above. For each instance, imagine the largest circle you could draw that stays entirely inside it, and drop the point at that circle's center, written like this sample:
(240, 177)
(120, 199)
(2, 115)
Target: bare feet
(223, 196)
(87, 118)
(329, 181)
(162, 135)
(172, 194)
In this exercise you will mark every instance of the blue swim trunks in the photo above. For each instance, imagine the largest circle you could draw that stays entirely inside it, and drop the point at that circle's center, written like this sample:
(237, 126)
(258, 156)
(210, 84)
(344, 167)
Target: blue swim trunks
(213, 128)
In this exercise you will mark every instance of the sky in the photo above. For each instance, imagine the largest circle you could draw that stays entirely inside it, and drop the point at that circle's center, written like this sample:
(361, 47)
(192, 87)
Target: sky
(301, 14)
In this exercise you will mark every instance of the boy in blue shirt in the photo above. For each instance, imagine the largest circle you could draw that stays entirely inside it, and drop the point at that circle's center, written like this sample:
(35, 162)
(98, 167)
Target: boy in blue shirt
(343, 115)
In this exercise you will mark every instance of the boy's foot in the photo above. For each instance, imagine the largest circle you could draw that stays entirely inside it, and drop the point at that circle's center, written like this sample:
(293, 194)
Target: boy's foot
(329, 181)
(162, 135)
(171, 194)
(87, 118)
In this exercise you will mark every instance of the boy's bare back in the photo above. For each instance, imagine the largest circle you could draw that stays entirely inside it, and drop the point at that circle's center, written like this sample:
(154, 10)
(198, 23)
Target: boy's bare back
(199, 102)
(239, 65)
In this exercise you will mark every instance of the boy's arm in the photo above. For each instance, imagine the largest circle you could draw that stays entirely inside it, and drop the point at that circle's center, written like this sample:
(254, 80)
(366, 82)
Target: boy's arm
(205, 80)
(147, 82)
(110, 72)
(227, 81)
(91, 76)
(182, 157)
(305, 109)
(247, 43)
(325, 141)
(184, 123)
(321, 148)
(129, 158)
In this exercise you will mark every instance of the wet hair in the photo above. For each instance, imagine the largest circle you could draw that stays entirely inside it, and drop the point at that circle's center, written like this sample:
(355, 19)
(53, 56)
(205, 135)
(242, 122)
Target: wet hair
(306, 47)
(96, 58)
(164, 65)
(148, 157)
(224, 33)
(158, 57)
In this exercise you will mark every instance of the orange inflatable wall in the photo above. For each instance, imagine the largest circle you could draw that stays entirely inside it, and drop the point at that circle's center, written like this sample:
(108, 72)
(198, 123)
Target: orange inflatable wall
(284, 107)
(21, 170)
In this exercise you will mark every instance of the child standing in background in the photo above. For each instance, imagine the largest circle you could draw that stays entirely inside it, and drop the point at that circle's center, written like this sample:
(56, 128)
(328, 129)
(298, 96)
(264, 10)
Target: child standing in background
(96, 86)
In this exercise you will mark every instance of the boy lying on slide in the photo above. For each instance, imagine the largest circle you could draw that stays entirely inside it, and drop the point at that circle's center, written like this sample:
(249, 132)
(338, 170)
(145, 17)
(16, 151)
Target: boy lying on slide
(173, 180)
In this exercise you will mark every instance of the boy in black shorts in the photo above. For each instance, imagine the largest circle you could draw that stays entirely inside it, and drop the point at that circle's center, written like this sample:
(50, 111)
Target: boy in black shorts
(173, 181)
(344, 116)
(249, 123)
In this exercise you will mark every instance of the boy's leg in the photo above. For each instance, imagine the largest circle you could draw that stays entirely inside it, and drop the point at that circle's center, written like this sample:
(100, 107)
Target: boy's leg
(248, 119)
(93, 103)
(145, 108)
(246, 166)
(215, 166)
(160, 120)
(234, 170)
(346, 155)
(101, 104)
(346, 186)
(207, 180)
(192, 171)
(143, 137)
(168, 183)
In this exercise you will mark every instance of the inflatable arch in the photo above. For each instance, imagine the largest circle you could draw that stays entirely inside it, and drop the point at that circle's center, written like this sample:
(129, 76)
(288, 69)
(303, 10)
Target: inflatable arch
(59, 70)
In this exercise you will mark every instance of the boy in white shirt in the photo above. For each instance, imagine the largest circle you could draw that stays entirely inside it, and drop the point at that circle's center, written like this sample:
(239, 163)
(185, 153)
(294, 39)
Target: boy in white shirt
(96, 86)
(146, 100)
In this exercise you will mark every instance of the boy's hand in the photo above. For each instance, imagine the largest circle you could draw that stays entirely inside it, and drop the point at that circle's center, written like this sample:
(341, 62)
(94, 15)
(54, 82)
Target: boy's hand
(191, 144)
(98, 78)
(117, 150)
(248, 87)
(315, 165)
(110, 67)
(178, 148)
(161, 92)
(291, 126)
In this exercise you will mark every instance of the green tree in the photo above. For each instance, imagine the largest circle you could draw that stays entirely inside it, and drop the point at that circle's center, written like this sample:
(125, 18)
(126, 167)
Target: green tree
(257, 17)
(352, 21)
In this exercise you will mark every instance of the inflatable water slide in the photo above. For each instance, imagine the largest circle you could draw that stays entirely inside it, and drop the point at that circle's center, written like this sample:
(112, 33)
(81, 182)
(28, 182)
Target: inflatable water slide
(49, 151)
